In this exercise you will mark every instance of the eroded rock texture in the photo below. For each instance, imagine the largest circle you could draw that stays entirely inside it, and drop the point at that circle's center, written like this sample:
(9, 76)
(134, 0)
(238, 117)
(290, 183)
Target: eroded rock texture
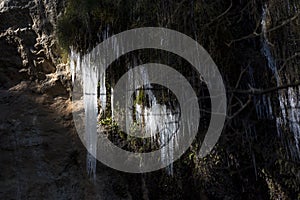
(41, 155)
(28, 45)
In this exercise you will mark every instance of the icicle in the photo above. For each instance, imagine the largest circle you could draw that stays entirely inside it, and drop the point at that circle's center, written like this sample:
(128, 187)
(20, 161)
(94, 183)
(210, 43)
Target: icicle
(102, 86)
(85, 72)
(294, 118)
(266, 48)
(112, 102)
(158, 122)
(102, 91)
(129, 88)
(72, 65)
(270, 108)
(254, 165)
(90, 83)
(289, 103)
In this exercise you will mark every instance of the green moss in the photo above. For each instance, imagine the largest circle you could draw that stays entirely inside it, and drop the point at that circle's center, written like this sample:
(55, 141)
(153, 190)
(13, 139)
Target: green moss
(140, 98)
(81, 20)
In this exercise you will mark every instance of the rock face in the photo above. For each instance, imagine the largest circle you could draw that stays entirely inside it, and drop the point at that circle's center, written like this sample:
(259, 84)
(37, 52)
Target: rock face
(27, 40)
(41, 156)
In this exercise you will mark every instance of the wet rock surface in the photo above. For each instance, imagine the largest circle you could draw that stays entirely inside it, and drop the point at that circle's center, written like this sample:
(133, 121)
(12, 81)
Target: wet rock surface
(41, 155)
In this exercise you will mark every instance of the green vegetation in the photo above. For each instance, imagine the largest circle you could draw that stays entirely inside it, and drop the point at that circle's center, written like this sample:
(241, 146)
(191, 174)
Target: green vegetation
(245, 164)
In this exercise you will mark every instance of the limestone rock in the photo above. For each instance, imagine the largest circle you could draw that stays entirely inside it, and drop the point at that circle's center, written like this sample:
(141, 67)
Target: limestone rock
(44, 65)
(27, 39)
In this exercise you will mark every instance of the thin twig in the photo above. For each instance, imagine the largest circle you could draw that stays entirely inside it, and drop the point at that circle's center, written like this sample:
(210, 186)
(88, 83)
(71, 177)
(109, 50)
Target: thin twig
(254, 34)
(287, 60)
(221, 15)
(241, 109)
(255, 91)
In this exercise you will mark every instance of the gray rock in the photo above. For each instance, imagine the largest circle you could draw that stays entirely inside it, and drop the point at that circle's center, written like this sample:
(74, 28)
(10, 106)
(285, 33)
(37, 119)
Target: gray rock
(27, 38)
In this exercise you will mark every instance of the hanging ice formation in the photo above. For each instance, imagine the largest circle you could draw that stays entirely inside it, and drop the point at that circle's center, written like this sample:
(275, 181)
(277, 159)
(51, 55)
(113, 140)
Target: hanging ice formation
(289, 101)
(159, 121)
(88, 73)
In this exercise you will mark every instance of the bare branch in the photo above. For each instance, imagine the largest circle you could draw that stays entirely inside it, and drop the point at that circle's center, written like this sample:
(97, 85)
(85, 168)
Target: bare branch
(236, 86)
(254, 34)
(221, 15)
(241, 109)
(287, 60)
(255, 91)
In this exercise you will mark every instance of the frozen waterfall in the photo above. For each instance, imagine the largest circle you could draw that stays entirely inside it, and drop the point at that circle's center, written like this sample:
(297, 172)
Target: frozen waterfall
(289, 101)
(87, 73)
(157, 120)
